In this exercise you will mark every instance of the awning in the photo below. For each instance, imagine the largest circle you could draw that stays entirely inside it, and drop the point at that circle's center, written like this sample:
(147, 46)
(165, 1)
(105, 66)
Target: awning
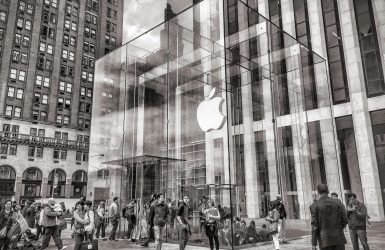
(142, 159)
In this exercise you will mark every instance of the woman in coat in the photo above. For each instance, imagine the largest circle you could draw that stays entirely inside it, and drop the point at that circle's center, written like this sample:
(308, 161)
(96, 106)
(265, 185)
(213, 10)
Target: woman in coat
(273, 218)
(6, 221)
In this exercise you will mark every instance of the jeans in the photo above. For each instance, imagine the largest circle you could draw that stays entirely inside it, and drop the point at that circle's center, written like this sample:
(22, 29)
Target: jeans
(114, 224)
(354, 235)
(183, 237)
(54, 232)
(103, 227)
(130, 228)
(282, 229)
(4, 243)
(212, 233)
(158, 233)
(79, 238)
(275, 240)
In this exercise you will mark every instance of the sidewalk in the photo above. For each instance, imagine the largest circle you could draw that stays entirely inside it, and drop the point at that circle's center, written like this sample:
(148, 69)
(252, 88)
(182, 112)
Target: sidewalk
(376, 238)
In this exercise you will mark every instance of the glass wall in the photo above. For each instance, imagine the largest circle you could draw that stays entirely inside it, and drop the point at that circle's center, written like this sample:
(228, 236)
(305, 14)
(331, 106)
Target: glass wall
(190, 108)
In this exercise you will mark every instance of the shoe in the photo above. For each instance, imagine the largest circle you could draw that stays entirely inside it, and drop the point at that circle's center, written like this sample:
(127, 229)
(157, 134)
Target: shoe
(115, 239)
(64, 247)
(144, 244)
(104, 239)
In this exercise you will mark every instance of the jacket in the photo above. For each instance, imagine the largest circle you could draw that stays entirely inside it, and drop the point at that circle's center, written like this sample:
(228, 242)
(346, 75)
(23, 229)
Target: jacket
(6, 219)
(49, 217)
(113, 212)
(328, 219)
(357, 218)
(158, 214)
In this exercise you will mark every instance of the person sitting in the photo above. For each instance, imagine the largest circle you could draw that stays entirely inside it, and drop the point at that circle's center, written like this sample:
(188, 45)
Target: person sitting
(251, 233)
(226, 232)
(242, 232)
(264, 235)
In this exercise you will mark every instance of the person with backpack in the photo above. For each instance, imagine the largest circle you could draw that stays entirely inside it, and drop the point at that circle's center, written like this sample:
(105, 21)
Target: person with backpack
(158, 219)
(50, 226)
(89, 216)
(80, 222)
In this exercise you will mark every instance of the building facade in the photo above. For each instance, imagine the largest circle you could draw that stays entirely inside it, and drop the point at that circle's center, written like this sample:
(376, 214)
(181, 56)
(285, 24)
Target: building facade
(48, 50)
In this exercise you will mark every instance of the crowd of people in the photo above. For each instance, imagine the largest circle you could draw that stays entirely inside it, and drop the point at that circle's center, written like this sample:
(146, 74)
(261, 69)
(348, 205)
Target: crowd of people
(152, 220)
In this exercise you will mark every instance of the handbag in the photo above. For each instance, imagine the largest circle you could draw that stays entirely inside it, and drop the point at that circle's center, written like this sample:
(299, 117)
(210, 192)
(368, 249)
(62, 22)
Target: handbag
(273, 228)
(3, 232)
(23, 224)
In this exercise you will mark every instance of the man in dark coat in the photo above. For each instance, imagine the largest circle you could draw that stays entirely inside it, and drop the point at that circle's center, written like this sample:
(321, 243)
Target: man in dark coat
(357, 214)
(328, 219)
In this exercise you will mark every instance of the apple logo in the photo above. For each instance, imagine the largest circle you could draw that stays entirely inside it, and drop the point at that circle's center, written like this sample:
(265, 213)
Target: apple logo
(209, 113)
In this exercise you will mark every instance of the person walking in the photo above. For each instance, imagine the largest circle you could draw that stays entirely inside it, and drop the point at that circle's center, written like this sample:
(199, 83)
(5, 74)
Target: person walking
(29, 213)
(7, 219)
(357, 216)
(158, 218)
(50, 227)
(62, 219)
(282, 220)
(79, 224)
(149, 229)
(202, 217)
(182, 216)
(212, 218)
(328, 219)
(90, 217)
(131, 218)
(274, 217)
(101, 220)
(113, 213)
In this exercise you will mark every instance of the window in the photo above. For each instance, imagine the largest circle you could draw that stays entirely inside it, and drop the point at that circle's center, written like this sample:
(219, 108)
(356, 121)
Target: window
(64, 54)
(28, 24)
(88, 108)
(30, 9)
(92, 48)
(17, 112)
(70, 71)
(91, 62)
(82, 91)
(67, 24)
(62, 86)
(52, 18)
(93, 33)
(68, 9)
(39, 152)
(15, 56)
(59, 119)
(26, 41)
(18, 39)
(57, 135)
(2, 34)
(4, 148)
(22, 75)
(60, 102)
(35, 114)
(38, 80)
(78, 156)
(13, 74)
(54, 3)
(66, 120)
(86, 46)
(22, 6)
(69, 87)
(67, 104)
(74, 26)
(86, 124)
(12, 149)
(73, 41)
(63, 155)
(71, 56)
(46, 82)
(66, 39)
(19, 23)
(43, 116)
(85, 156)
(33, 131)
(49, 49)
(80, 121)
(42, 47)
(56, 153)
(113, 41)
(90, 77)
(63, 70)
(84, 75)
(85, 60)
(89, 93)
(82, 107)
(8, 110)
(11, 92)
(20, 93)
(31, 151)
(3, 16)
(44, 99)
(24, 58)
(87, 31)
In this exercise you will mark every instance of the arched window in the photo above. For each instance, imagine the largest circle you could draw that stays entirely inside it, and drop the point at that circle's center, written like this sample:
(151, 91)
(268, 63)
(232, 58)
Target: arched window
(7, 182)
(31, 183)
(79, 184)
(56, 183)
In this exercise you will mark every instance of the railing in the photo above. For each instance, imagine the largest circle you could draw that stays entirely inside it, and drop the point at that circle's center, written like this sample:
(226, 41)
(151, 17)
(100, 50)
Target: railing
(17, 138)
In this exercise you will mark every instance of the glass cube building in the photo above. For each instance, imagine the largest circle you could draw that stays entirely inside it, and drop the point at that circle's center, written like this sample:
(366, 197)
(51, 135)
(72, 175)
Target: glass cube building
(217, 101)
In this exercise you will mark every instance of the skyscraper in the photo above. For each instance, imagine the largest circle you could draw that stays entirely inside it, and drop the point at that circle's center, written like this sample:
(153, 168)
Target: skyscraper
(48, 50)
